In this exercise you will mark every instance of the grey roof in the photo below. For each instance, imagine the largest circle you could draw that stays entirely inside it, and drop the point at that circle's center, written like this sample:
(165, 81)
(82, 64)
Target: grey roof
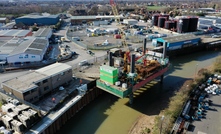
(54, 69)
(2, 19)
(6, 47)
(25, 82)
(33, 46)
(83, 17)
(37, 16)
(17, 33)
(180, 38)
(42, 32)
(93, 17)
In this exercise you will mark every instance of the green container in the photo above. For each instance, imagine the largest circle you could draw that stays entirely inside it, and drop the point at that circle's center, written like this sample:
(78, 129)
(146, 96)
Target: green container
(111, 71)
(108, 79)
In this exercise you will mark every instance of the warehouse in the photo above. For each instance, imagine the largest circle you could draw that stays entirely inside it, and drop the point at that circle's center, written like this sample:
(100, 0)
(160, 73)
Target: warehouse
(15, 33)
(130, 21)
(43, 33)
(7, 45)
(79, 20)
(177, 42)
(40, 20)
(34, 85)
(30, 50)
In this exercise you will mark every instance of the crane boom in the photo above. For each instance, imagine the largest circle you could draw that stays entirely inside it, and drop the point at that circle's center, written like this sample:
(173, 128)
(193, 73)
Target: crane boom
(117, 17)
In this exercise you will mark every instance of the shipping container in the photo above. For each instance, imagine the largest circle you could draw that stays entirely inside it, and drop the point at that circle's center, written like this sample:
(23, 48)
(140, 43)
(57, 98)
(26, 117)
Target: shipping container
(106, 78)
(109, 70)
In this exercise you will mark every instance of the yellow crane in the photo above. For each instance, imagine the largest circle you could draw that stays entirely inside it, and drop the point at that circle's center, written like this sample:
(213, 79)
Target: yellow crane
(117, 18)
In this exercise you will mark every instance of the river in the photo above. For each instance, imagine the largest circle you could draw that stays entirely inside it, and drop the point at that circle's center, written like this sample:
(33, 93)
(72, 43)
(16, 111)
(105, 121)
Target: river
(108, 114)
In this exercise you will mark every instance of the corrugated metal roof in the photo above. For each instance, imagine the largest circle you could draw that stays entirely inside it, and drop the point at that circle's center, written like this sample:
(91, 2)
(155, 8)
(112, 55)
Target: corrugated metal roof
(54, 69)
(180, 38)
(31, 46)
(82, 17)
(38, 16)
(42, 32)
(17, 33)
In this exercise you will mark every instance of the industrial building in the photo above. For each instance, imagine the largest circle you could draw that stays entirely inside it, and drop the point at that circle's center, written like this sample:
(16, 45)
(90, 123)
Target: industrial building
(15, 33)
(130, 21)
(182, 24)
(34, 85)
(39, 19)
(44, 33)
(79, 20)
(30, 50)
(7, 45)
(177, 42)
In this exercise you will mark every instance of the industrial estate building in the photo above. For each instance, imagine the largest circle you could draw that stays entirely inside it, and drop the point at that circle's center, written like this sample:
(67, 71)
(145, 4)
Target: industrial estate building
(30, 50)
(79, 20)
(34, 85)
(39, 19)
(177, 42)
(15, 33)
(18, 46)
(44, 33)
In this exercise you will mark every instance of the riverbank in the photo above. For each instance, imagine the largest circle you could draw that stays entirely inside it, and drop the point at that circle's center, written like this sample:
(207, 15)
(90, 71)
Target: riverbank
(145, 124)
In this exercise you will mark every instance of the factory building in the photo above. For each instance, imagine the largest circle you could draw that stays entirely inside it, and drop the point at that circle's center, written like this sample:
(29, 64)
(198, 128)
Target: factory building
(15, 33)
(7, 45)
(39, 19)
(34, 85)
(79, 20)
(177, 42)
(43, 33)
(30, 50)
(130, 21)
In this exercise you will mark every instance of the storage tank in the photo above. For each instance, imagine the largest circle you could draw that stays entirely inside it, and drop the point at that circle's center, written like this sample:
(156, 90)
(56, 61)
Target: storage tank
(183, 25)
(165, 15)
(161, 21)
(175, 24)
(155, 19)
(193, 22)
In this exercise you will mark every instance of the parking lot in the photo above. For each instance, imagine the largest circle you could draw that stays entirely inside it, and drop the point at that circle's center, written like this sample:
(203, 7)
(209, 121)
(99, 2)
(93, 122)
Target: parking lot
(211, 123)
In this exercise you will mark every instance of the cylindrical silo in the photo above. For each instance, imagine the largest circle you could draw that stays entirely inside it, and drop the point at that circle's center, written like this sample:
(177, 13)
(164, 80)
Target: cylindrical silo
(165, 15)
(183, 25)
(167, 23)
(161, 21)
(155, 19)
(193, 22)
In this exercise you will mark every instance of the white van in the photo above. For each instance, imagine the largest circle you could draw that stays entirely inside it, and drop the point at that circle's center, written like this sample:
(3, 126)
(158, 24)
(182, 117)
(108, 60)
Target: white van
(83, 63)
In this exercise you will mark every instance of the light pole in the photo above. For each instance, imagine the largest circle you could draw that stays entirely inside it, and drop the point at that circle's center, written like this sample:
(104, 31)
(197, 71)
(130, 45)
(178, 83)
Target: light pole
(161, 123)
(195, 72)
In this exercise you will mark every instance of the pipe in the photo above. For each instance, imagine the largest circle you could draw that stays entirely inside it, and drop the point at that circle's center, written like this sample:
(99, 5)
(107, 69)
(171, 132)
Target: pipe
(164, 49)
(144, 46)
(132, 64)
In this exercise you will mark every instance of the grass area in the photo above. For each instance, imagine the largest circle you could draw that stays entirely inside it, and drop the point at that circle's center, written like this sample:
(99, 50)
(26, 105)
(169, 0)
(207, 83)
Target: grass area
(155, 7)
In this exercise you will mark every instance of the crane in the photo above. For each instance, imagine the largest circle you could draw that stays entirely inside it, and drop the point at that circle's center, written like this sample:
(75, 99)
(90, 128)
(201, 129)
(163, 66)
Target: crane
(117, 18)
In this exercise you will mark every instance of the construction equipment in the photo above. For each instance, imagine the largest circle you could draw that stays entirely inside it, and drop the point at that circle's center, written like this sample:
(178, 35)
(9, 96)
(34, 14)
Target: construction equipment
(117, 18)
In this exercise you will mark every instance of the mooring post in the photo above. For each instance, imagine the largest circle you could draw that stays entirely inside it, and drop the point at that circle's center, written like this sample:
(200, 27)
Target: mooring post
(131, 97)
(161, 79)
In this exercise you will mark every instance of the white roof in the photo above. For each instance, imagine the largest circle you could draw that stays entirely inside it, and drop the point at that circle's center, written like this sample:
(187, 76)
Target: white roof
(54, 69)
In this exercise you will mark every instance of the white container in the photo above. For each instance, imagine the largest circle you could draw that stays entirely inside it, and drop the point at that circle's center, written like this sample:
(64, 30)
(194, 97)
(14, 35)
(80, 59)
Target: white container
(117, 83)
(124, 85)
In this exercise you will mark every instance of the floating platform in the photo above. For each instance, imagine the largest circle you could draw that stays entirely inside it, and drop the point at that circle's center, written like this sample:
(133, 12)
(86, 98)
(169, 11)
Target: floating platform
(124, 92)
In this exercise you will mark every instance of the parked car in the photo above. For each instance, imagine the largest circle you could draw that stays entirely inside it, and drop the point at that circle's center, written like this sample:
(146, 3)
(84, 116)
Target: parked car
(90, 52)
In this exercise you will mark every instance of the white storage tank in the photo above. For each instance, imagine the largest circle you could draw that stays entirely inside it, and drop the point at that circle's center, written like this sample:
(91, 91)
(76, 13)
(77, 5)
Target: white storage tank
(124, 85)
